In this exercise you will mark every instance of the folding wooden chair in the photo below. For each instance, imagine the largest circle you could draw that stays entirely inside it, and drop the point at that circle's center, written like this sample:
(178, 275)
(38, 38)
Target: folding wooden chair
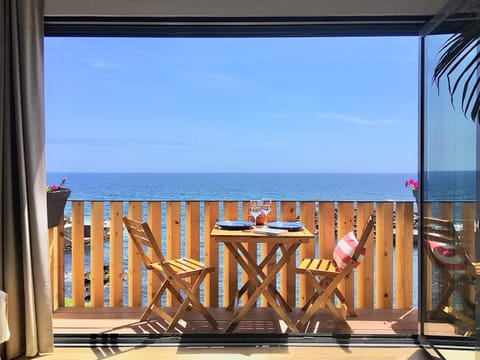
(325, 276)
(457, 271)
(178, 276)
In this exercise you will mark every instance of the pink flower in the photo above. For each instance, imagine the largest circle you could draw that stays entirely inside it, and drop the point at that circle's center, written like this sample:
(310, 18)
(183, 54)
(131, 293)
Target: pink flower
(411, 184)
(56, 187)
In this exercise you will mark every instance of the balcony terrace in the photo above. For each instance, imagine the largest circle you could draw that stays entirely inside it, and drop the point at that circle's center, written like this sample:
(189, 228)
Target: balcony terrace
(382, 289)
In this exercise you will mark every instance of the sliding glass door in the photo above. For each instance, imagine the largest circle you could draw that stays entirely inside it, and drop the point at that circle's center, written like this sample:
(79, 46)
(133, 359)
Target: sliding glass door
(449, 174)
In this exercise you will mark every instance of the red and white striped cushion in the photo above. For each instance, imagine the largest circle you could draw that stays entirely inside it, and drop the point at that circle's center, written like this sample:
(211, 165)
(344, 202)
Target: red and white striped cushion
(448, 255)
(344, 250)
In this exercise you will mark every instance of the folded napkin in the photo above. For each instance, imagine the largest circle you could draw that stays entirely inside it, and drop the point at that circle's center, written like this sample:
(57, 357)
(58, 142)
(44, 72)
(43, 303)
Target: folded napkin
(269, 231)
(4, 331)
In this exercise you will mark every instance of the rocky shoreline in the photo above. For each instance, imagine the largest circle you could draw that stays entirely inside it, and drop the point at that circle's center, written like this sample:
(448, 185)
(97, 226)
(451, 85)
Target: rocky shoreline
(86, 232)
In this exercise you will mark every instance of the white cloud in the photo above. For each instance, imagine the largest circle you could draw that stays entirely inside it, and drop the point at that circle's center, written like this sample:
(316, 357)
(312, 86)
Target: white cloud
(102, 64)
(357, 120)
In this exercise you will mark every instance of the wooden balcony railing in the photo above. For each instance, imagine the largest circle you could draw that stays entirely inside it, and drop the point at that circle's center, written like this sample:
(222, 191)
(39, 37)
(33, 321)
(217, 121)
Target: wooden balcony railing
(384, 281)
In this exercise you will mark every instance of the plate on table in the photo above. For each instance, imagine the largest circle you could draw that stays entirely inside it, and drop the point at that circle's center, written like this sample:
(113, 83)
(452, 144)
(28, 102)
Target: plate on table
(286, 225)
(234, 225)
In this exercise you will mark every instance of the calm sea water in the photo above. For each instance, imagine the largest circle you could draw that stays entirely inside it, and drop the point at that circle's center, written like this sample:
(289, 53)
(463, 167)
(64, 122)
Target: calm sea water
(231, 186)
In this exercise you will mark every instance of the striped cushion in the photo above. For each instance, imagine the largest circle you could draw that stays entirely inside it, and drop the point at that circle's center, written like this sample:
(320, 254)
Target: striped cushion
(344, 250)
(448, 255)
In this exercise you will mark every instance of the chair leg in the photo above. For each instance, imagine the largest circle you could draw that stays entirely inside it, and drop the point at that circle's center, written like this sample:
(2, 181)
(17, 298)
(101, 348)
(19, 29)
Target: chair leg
(197, 304)
(178, 315)
(324, 298)
(155, 300)
(191, 298)
(344, 301)
(442, 302)
(310, 301)
(324, 283)
(170, 287)
(339, 313)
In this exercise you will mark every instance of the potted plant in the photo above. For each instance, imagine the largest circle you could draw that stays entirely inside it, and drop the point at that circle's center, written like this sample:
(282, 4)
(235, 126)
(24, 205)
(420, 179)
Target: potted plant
(413, 185)
(57, 196)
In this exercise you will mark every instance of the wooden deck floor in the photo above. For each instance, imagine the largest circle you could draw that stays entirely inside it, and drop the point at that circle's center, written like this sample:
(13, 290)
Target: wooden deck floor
(118, 322)
(258, 320)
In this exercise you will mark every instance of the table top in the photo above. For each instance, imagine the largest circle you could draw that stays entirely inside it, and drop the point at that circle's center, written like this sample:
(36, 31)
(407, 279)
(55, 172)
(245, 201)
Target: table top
(242, 236)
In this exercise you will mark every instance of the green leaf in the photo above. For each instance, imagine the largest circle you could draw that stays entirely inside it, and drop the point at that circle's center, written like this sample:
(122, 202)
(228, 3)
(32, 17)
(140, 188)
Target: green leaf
(460, 72)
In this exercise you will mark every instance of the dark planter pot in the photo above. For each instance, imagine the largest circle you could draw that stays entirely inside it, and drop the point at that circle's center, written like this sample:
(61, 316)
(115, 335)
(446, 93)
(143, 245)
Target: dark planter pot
(56, 201)
(416, 194)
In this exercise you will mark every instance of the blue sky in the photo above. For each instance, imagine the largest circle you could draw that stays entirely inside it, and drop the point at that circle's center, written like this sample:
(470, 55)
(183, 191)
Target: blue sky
(232, 105)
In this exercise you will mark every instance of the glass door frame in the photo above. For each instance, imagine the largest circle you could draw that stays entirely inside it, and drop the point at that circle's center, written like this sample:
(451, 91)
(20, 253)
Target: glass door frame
(439, 25)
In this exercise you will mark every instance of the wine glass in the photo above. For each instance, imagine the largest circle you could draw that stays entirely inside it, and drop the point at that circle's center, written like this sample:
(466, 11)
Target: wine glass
(255, 209)
(266, 207)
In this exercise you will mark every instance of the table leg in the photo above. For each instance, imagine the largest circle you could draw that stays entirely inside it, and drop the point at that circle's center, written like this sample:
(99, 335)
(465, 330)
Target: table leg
(248, 284)
(259, 269)
(262, 287)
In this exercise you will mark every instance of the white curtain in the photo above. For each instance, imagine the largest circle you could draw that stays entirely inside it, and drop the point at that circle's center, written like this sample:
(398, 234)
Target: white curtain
(24, 270)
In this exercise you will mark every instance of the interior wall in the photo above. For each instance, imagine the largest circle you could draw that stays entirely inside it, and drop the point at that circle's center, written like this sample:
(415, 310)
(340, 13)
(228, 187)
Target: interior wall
(230, 8)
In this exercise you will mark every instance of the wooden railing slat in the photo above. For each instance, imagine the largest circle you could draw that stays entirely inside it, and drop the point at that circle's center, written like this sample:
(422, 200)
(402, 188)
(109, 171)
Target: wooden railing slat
(468, 231)
(265, 249)
(288, 212)
(307, 216)
(116, 253)
(346, 223)
(173, 238)
(326, 229)
(78, 253)
(365, 274)
(192, 230)
(251, 248)
(404, 255)
(56, 239)
(427, 212)
(134, 260)
(384, 257)
(230, 265)
(97, 273)
(154, 219)
(211, 254)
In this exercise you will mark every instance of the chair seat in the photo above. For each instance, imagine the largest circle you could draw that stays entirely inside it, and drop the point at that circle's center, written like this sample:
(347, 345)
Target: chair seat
(186, 267)
(323, 267)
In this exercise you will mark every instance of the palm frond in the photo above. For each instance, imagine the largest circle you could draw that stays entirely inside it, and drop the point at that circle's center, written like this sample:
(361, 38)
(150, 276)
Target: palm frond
(460, 72)
(467, 74)
(476, 101)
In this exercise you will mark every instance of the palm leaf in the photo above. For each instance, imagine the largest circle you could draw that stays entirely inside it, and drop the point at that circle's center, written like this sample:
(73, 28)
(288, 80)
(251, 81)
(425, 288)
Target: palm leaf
(474, 96)
(472, 67)
(454, 64)
(469, 72)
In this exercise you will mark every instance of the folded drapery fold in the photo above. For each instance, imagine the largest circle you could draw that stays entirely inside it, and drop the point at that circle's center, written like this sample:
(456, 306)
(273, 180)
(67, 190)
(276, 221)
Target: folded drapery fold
(24, 261)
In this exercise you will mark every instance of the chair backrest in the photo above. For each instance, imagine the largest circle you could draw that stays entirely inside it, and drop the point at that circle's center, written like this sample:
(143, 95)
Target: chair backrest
(366, 231)
(444, 244)
(141, 235)
(347, 270)
(440, 230)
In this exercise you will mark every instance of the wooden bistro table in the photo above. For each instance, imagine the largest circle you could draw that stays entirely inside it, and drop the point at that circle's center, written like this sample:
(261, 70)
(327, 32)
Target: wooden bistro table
(258, 280)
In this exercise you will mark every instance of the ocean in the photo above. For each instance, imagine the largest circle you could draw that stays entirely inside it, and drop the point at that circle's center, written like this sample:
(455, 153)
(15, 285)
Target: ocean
(236, 186)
